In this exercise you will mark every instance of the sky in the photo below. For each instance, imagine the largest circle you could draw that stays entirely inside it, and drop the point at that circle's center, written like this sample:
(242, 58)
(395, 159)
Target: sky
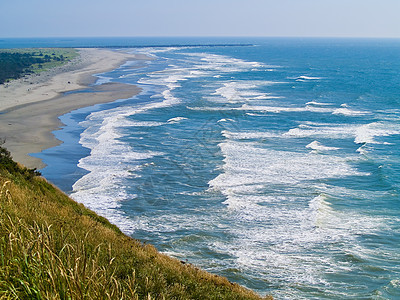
(131, 18)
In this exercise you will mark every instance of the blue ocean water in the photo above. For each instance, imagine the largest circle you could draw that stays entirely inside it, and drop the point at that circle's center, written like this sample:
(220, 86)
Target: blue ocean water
(276, 165)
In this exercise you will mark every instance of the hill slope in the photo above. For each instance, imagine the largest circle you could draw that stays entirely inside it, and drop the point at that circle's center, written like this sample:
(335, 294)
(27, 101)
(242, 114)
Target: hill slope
(54, 248)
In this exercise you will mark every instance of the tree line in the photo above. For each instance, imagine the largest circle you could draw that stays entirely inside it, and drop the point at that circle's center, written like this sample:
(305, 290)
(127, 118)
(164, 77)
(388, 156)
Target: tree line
(16, 65)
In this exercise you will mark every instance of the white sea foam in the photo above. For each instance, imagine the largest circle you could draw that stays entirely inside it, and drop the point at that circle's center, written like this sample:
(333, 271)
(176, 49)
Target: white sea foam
(215, 108)
(111, 161)
(142, 124)
(362, 150)
(286, 231)
(362, 134)
(318, 103)
(334, 131)
(224, 64)
(255, 115)
(176, 119)
(348, 112)
(267, 97)
(168, 82)
(236, 91)
(249, 135)
(279, 109)
(153, 51)
(366, 134)
(320, 210)
(109, 164)
(171, 76)
(127, 76)
(231, 90)
(315, 145)
(259, 183)
(305, 78)
(263, 109)
(225, 120)
(246, 165)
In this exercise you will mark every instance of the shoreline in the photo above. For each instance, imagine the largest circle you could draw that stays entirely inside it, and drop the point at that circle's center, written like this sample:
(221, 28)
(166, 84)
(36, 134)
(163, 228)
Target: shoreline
(30, 106)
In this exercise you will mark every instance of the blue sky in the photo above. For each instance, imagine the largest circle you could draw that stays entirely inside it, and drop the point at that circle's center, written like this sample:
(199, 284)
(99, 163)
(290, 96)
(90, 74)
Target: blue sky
(298, 18)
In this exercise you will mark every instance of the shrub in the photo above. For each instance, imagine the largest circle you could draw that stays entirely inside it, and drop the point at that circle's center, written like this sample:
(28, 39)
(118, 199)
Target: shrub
(14, 168)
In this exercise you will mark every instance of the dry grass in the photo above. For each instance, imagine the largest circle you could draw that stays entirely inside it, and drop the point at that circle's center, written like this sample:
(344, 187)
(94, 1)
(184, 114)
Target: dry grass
(54, 248)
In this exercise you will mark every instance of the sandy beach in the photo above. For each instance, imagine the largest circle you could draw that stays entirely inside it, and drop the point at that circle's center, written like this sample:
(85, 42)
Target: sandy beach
(30, 106)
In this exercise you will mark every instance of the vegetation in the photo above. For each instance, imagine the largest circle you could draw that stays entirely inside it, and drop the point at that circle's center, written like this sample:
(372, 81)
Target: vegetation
(54, 248)
(12, 167)
(16, 63)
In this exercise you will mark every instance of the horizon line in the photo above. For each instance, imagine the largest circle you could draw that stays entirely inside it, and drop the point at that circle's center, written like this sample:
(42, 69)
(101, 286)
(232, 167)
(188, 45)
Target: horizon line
(201, 36)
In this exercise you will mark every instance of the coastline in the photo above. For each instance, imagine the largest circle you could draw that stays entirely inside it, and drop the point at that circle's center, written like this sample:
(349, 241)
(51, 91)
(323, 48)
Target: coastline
(30, 106)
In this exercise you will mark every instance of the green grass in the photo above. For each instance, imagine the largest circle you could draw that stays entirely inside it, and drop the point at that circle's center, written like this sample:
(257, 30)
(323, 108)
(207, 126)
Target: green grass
(54, 248)
(16, 63)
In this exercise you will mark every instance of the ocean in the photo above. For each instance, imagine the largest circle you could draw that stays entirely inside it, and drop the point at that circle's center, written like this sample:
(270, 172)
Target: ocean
(273, 162)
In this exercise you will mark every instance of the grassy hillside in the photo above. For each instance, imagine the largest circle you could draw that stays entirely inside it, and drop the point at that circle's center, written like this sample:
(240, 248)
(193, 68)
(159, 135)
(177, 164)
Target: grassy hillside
(54, 248)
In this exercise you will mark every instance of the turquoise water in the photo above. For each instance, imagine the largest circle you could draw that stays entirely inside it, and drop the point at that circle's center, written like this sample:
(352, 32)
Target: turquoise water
(276, 165)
